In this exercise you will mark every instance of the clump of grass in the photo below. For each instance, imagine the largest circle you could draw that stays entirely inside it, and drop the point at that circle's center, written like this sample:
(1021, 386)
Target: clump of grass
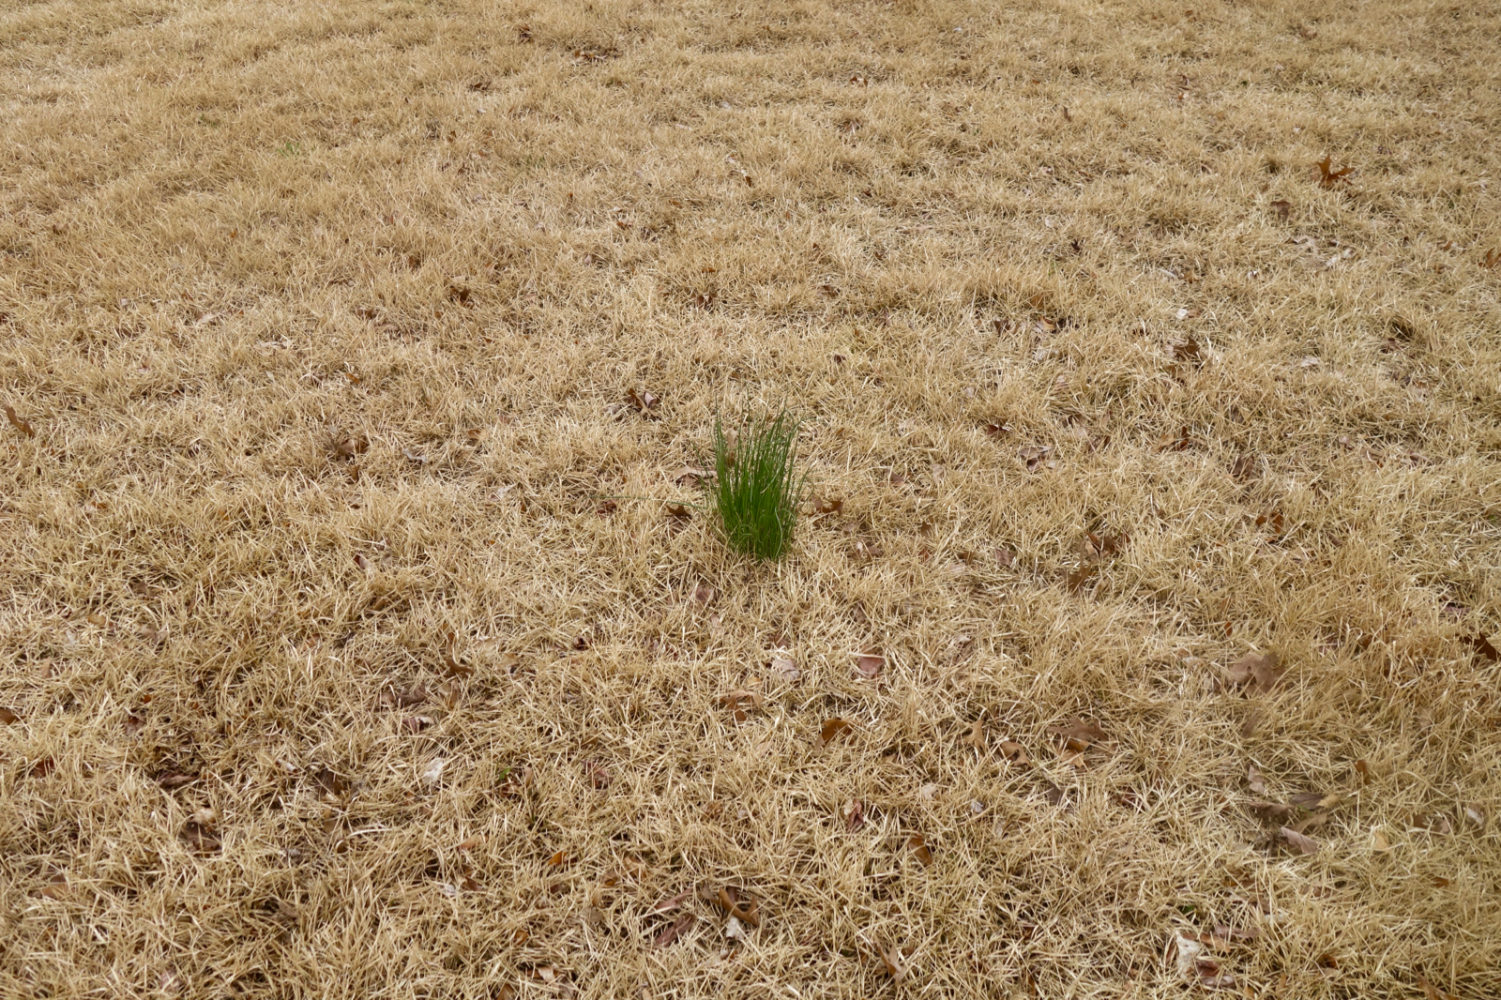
(756, 487)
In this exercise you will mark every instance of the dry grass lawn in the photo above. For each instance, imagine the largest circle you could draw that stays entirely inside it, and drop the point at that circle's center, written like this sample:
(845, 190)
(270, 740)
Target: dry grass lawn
(1140, 634)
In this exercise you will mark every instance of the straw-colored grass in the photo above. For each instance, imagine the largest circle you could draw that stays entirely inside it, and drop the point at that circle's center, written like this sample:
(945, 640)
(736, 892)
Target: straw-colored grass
(326, 672)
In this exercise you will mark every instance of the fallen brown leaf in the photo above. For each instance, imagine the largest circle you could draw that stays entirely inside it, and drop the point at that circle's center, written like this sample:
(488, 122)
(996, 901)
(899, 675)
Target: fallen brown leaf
(740, 701)
(1315, 800)
(404, 698)
(24, 426)
(784, 669)
(1300, 842)
(1329, 177)
(348, 447)
(1079, 735)
(870, 665)
(854, 815)
(1014, 752)
(331, 783)
(1212, 977)
(1272, 812)
(199, 837)
(673, 902)
(451, 663)
(1035, 455)
(643, 401)
(1483, 648)
(1260, 669)
(7, 717)
(1181, 441)
(746, 911)
(56, 887)
(919, 848)
(892, 960)
(1255, 781)
(1081, 575)
(674, 930)
(832, 729)
(1225, 937)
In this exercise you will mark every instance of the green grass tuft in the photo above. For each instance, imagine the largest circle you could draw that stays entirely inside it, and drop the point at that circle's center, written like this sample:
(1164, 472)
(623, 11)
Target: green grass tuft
(756, 488)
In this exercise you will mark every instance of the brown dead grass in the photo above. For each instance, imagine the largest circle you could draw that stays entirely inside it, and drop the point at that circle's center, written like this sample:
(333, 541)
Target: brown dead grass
(326, 673)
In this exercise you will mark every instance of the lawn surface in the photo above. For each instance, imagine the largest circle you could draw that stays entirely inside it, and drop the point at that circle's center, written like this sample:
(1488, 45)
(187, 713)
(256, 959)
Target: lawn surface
(1139, 635)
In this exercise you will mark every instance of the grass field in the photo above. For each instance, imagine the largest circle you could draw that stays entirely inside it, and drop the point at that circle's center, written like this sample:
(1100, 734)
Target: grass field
(1139, 635)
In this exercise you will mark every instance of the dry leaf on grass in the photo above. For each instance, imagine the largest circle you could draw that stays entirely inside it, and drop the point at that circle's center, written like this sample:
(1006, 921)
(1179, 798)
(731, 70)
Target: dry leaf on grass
(784, 669)
(1272, 812)
(674, 902)
(1182, 952)
(1036, 456)
(643, 401)
(832, 729)
(741, 702)
(1328, 176)
(330, 783)
(1014, 752)
(404, 697)
(746, 910)
(1315, 800)
(870, 665)
(1079, 735)
(1483, 649)
(1300, 842)
(1261, 670)
(198, 833)
(674, 930)
(24, 426)
(1078, 577)
(893, 962)
(1226, 938)
(918, 845)
(350, 446)
(7, 717)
